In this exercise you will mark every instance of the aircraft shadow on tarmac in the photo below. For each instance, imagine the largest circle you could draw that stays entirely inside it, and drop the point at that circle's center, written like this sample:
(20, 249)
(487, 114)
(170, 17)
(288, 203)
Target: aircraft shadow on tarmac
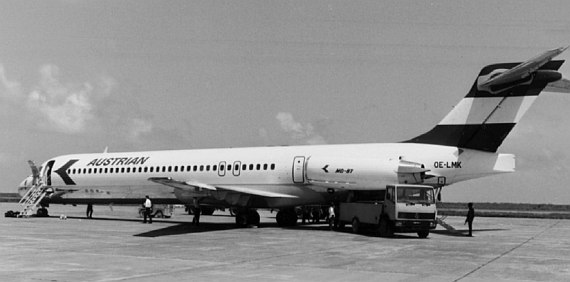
(187, 228)
(464, 232)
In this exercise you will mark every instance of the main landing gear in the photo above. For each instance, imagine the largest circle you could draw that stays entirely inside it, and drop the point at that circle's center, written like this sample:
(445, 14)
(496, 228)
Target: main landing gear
(247, 217)
(286, 217)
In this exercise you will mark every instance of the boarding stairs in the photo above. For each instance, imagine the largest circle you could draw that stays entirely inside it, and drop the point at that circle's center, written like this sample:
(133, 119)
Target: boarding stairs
(32, 199)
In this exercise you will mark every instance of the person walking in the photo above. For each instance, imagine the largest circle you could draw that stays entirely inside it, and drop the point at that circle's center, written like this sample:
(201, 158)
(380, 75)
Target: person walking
(469, 219)
(89, 211)
(147, 210)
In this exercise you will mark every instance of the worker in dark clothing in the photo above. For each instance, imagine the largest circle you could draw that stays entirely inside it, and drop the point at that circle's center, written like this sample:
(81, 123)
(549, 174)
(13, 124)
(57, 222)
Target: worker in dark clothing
(89, 211)
(196, 220)
(147, 210)
(469, 219)
(196, 210)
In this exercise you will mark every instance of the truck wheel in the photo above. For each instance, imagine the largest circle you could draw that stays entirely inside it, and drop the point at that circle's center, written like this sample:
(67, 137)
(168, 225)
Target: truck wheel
(423, 234)
(385, 228)
(355, 225)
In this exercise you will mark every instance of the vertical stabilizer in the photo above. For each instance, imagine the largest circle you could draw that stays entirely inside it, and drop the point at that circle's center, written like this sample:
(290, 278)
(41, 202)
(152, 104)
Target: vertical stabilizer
(484, 118)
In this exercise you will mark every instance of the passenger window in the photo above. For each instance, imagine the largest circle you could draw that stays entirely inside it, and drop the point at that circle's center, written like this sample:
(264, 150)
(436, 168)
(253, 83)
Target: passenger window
(201, 168)
(250, 166)
(195, 168)
(258, 167)
(272, 166)
(175, 168)
(188, 168)
(146, 169)
(128, 169)
(106, 170)
(208, 168)
(264, 166)
(229, 167)
(214, 167)
(122, 170)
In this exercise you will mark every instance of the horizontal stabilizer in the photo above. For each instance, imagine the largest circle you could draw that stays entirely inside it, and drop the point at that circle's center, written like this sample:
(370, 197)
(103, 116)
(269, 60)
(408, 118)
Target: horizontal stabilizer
(521, 71)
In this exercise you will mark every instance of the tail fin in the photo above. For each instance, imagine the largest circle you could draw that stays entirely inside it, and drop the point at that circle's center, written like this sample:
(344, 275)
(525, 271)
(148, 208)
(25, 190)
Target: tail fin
(498, 99)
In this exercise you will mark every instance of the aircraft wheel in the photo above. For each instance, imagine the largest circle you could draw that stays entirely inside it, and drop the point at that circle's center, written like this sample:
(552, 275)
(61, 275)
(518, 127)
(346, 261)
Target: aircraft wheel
(207, 210)
(253, 217)
(241, 218)
(42, 212)
(286, 217)
(355, 225)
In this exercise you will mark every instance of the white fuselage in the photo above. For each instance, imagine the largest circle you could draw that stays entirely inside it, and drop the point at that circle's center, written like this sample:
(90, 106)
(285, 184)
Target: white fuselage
(309, 174)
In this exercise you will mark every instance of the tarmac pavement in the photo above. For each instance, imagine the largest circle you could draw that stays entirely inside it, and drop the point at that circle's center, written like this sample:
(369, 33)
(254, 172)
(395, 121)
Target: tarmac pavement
(116, 246)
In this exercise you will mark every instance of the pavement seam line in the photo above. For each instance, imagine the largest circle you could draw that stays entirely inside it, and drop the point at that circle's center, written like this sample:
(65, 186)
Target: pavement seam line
(507, 252)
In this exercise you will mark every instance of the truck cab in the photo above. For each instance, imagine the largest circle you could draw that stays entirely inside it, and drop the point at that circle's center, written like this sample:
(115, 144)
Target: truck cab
(401, 208)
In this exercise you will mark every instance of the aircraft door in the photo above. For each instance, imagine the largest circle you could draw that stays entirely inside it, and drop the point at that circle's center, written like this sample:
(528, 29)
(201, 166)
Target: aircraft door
(222, 169)
(47, 173)
(299, 170)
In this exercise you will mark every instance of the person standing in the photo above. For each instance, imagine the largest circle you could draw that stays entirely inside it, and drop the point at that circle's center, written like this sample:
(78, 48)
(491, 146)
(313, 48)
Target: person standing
(89, 211)
(469, 219)
(196, 210)
(332, 217)
(147, 210)
(196, 220)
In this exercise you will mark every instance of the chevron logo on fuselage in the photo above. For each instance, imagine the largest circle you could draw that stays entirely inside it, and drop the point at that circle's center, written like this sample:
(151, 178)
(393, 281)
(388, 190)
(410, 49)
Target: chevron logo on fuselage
(62, 172)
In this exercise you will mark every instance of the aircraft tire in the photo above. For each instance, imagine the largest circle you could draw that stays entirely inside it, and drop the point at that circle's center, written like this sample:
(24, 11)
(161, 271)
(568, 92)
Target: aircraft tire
(42, 212)
(286, 217)
(253, 217)
(423, 234)
(241, 219)
(206, 210)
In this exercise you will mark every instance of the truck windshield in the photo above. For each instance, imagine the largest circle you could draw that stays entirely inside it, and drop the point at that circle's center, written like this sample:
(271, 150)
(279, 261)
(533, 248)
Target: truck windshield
(416, 195)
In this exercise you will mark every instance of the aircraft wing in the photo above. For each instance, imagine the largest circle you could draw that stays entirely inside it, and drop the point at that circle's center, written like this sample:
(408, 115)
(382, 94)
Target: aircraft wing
(257, 192)
(523, 70)
(562, 86)
(192, 186)
(183, 185)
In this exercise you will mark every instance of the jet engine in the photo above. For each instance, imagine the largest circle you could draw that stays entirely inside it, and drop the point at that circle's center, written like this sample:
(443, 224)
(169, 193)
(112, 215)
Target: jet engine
(362, 174)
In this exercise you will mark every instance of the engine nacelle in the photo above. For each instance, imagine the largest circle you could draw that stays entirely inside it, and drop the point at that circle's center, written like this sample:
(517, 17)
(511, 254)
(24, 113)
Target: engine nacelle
(362, 174)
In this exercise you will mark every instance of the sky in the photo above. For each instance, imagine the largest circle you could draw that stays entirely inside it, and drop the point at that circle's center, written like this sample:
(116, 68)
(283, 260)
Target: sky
(80, 76)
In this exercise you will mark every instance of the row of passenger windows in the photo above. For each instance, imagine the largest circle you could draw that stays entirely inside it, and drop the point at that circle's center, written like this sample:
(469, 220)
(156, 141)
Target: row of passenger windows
(156, 169)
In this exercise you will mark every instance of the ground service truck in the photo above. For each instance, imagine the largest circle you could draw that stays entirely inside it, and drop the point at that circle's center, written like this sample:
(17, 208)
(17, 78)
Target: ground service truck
(399, 208)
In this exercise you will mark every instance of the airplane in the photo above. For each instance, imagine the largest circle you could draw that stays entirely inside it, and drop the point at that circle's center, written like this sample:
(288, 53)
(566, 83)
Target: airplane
(462, 146)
